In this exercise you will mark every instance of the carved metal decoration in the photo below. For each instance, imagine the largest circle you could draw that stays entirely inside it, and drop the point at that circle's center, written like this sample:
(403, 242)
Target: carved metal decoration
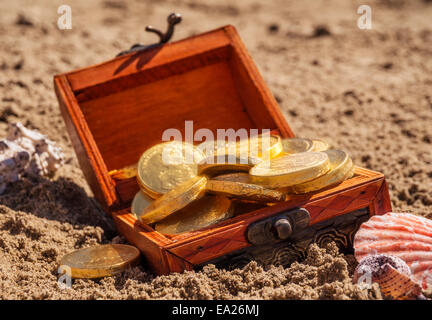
(340, 229)
(164, 37)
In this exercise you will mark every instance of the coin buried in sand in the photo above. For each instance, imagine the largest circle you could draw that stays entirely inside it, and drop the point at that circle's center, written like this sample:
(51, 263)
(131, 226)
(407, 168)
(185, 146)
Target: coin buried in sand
(165, 166)
(262, 146)
(296, 145)
(340, 166)
(219, 164)
(174, 200)
(140, 202)
(199, 214)
(246, 191)
(319, 145)
(101, 261)
(289, 170)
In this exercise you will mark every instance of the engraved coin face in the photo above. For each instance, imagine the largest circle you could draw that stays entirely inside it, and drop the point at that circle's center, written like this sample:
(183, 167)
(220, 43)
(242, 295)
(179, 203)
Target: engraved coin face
(296, 145)
(174, 200)
(262, 146)
(288, 170)
(340, 166)
(101, 261)
(199, 214)
(164, 166)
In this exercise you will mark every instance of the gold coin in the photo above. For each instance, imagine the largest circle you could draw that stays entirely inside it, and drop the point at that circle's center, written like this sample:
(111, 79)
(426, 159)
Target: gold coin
(261, 146)
(234, 177)
(319, 145)
(223, 163)
(166, 165)
(100, 261)
(350, 173)
(288, 170)
(296, 145)
(340, 166)
(199, 214)
(211, 147)
(245, 191)
(174, 200)
(140, 202)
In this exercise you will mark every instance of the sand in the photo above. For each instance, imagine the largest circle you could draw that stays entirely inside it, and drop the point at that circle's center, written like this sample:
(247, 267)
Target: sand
(366, 91)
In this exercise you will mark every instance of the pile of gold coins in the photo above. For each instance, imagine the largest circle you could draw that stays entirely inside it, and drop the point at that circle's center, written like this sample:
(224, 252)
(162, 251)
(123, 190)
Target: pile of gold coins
(186, 187)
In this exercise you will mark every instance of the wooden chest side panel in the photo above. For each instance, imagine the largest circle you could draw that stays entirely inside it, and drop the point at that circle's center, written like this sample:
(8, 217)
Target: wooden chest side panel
(217, 242)
(149, 242)
(212, 245)
(89, 158)
(341, 203)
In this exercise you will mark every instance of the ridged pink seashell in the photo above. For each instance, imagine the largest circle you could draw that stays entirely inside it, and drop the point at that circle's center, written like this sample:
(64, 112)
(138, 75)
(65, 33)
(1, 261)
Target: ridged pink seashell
(404, 235)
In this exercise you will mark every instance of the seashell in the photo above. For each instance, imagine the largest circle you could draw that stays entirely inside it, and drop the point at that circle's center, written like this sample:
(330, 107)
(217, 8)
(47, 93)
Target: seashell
(27, 151)
(391, 273)
(403, 235)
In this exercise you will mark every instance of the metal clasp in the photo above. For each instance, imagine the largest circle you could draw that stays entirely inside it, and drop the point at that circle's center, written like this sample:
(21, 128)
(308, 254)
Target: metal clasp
(172, 19)
(279, 227)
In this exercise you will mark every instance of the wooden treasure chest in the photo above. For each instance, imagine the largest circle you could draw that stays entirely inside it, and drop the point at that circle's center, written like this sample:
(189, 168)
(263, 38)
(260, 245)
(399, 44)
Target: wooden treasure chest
(116, 110)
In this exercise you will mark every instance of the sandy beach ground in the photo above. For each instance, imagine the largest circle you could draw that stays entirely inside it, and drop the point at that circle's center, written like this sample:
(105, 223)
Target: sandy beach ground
(366, 91)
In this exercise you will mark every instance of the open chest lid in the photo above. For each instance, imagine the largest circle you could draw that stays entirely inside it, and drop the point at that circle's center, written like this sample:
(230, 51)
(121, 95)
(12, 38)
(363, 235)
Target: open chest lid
(115, 110)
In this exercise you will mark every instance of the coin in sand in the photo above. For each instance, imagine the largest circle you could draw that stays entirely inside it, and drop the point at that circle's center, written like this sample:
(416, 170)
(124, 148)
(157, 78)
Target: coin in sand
(246, 191)
(174, 200)
(224, 163)
(340, 166)
(140, 202)
(101, 261)
(202, 213)
(289, 170)
(296, 145)
(319, 145)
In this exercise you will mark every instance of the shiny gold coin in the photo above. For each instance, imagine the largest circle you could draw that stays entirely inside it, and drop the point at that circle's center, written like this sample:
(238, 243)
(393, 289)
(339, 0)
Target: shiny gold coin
(101, 261)
(319, 145)
(234, 177)
(350, 173)
(124, 173)
(340, 166)
(202, 213)
(289, 170)
(296, 145)
(174, 200)
(140, 202)
(167, 165)
(245, 191)
(211, 147)
(261, 146)
(223, 163)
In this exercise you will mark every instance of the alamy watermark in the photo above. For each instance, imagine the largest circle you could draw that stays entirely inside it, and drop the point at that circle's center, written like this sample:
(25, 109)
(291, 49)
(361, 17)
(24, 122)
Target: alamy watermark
(365, 20)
